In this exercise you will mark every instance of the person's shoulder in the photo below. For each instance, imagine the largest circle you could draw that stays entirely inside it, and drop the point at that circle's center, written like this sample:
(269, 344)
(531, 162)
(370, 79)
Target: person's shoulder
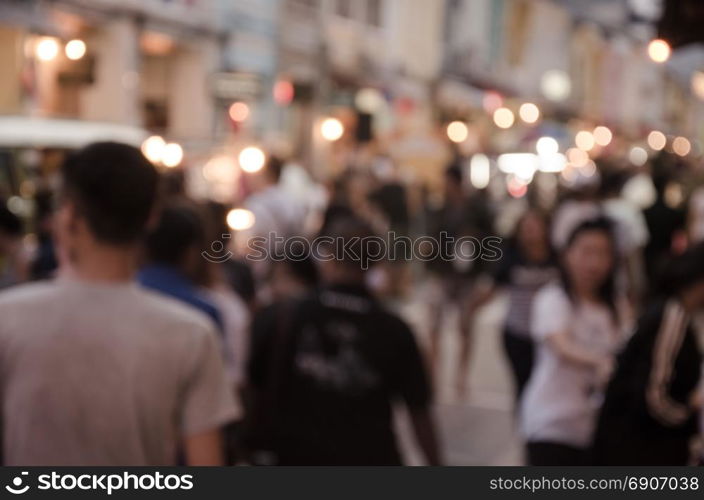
(172, 313)
(29, 293)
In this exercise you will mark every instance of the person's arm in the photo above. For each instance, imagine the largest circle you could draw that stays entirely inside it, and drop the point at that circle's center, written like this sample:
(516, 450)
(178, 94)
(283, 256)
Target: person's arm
(424, 429)
(204, 449)
(562, 344)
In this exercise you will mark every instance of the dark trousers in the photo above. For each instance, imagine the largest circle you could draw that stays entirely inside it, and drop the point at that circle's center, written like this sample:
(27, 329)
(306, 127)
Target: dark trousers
(520, 352)
(541, 453)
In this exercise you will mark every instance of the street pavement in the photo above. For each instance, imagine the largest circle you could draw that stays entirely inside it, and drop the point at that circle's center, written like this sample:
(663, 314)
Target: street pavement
(479, 428)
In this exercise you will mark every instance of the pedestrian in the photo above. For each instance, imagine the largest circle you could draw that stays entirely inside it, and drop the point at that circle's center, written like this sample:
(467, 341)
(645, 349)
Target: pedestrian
(173, 260)
(326, 370)
(650, 412)
(96, 370)
(527, 264)
(575, 323)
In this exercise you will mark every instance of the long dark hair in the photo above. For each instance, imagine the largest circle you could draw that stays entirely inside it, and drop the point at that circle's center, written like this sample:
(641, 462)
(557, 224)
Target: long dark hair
(607, 291)
(681, 272)
(513, 243)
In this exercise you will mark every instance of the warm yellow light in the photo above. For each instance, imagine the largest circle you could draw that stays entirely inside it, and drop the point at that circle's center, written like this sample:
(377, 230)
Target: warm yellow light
(239, 111)
(252, 159)
(172, 155)
(577, 157)
(457, 132)
(698, 84)
(681, 146)
(480, 171)
(332, 129)
(47, 49)
(75, 49)
(584, 140)
(504, 118)
(603, 136)
(547, 146)
(529, 112)
(657, 140)
(659, 50)
(240, 219)
(153, 148)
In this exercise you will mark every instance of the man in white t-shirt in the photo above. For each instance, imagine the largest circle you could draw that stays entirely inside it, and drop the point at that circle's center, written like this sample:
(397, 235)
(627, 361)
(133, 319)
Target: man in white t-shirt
(96, 370)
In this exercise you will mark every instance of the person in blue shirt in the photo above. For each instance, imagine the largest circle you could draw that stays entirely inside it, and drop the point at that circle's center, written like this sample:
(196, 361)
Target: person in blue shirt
(172, 251)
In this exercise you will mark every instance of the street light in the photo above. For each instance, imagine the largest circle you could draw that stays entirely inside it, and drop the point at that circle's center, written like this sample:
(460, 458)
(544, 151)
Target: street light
(239, 112)
(556, 85)
(75, 49)
(585, 140)
(504, 118)
(252, 159)
(153, 148)
(47, 49)
(332, 129)
(457, 132)
(659, 50)
(657, 140)
(240, 219)
(547, 146)
(172, 155)
(681, 146)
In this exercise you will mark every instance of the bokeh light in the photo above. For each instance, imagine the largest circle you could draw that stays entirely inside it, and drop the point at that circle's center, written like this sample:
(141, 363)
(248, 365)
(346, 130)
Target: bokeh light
(479, 171)
(153, 148)
(239, 112)
(657, 140)
(47, 48)
(603, 135)
(172, 155)
(577, 157)
(457, 132)
(659, 50)
(556, 85)
(332, 129)
(638, 156)
(681, 146)
(240, 219)
(252, 159)
(75, 49)
(504, 118)
(529, 112)
(585, 140)
(547, 146)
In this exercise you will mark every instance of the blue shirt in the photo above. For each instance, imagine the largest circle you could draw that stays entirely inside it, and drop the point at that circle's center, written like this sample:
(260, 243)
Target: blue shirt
(172, 282)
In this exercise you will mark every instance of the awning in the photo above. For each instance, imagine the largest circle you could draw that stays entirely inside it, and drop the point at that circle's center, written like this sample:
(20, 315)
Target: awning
(28, 132)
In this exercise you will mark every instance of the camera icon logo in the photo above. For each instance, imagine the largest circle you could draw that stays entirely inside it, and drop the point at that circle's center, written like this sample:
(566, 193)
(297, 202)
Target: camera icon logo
(16, 488)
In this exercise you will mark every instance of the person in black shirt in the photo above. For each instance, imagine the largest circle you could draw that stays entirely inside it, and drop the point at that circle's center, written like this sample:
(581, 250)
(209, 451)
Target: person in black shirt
(663, 224)
(325, 372)
(651, 405)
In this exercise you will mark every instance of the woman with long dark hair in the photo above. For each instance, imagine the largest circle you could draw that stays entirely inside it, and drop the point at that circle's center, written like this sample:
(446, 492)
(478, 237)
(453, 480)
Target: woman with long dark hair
(576, 326)
(650, 410)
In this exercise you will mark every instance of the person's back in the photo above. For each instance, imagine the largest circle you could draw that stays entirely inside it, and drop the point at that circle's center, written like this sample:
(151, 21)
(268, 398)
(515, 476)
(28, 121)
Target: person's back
(96, 371)
(104, 374)
(344, 361)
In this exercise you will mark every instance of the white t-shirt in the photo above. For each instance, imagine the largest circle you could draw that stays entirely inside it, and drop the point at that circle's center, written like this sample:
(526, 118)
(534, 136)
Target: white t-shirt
(105, 374)
(561, 400)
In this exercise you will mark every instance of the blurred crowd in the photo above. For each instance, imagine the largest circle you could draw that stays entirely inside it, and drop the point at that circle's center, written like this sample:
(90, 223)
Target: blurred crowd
(140, 328)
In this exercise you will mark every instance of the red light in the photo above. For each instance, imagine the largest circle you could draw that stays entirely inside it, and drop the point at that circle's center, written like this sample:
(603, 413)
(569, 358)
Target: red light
(283, 92)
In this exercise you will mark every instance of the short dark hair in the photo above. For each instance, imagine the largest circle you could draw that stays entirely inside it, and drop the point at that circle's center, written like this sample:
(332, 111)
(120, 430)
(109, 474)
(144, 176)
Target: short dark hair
(179, 229)
(114, 188)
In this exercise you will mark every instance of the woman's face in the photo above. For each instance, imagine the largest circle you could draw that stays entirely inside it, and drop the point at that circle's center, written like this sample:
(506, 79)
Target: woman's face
(589, 260)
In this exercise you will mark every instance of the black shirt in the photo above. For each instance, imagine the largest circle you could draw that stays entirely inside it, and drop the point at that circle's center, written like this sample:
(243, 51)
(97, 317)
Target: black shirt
(332, 365)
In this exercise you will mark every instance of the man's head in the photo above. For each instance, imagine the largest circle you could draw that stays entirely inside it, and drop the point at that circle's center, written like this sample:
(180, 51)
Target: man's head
(349, 245)
(10, 230)
(108, 193)
(177, 239)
